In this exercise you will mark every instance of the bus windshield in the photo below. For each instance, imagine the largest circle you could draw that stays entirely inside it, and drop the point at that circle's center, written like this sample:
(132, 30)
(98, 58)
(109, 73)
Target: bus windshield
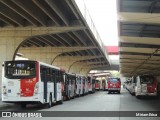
(114, 80)
(147, 79)
(20, 69)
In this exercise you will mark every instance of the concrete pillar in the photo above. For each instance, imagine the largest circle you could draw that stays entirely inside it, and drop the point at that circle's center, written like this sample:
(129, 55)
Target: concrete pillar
(66, 62)
(48, 54)
(43, 54)
(76, 68)
(85, 71)
(8, 46)
(11, 37)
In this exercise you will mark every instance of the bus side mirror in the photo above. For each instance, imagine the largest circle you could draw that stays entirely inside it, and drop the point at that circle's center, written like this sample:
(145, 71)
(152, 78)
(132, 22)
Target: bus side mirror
(2, 65)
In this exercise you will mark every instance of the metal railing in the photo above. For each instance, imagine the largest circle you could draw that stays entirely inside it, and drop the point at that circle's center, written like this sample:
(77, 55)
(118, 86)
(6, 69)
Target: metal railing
(87, 17)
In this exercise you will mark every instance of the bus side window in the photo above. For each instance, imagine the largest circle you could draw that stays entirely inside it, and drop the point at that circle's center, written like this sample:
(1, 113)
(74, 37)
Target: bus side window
(83, 81)
(79, 79)
(48, 74)
(53, 75)
(42, 69)
(72, 80)
(136, 80)
(57, 76)
(61, 76)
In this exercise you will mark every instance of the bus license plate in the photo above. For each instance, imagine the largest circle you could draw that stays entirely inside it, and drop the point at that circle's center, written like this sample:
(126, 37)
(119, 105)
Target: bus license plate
(9, 91)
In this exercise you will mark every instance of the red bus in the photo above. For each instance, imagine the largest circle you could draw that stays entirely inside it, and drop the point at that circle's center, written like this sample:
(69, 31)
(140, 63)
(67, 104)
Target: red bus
(70, 86)
(114, 85)
(97, 85)
(28, 82)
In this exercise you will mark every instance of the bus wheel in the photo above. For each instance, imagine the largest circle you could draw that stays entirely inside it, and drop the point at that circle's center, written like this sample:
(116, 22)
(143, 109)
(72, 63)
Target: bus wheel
(109, 92)
(118, 92)
(69, 96)
(137, 96)
(23, 105)
(79, 94)
(50, 101)
(83, 92)
(61, 101)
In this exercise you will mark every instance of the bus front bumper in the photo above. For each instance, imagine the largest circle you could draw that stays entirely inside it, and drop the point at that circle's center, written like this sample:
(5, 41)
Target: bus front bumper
(17, 99)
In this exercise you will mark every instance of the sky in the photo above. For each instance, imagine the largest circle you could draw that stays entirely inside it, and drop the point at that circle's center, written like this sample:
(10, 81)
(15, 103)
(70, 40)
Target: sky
(104, 15)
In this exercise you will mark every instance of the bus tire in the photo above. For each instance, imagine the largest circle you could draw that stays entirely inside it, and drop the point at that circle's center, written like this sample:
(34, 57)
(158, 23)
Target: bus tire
(109, 92)
(119, 92)
(69, 96)
(23, 105)
(137, 96)
(83, 92)
(79, 94)
(50, 101)
(61, 101)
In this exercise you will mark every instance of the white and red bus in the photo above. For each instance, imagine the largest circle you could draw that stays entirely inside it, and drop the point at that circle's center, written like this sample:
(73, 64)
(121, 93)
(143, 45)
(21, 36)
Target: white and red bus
(70, 86)
(97, 85)
(85, 85)
(91, 84)
(79, 87)
(105, 84)
(145, 85)
(27, 82)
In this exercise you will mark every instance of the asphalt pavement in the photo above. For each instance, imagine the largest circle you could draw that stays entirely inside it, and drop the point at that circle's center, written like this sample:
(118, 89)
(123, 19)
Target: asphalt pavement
(99, 101)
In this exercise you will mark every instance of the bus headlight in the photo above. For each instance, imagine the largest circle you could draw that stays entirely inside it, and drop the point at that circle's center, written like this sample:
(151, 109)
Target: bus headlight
(4, 90)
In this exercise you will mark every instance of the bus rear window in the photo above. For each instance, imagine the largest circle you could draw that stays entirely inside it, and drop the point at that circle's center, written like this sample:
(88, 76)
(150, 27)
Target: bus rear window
(96, 81)
(20, 69)
(114, 80)
(147, 79)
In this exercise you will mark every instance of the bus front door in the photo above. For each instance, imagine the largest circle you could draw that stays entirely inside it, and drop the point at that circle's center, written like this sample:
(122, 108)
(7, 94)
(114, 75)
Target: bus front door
(45, 85)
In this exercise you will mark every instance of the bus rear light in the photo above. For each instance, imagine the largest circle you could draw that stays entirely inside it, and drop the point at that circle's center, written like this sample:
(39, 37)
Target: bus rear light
(155, 89)
(4, 90)
(36, 89)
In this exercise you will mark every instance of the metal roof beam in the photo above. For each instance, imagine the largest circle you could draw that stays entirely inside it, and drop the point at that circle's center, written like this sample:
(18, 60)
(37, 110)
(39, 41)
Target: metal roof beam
(79, 37)
(73, 38)
(8, 13)
(19, 11)
(135, 53)
(8, 21)
(53, 37)
(136, 45)
(64, 39)
(153, 4)
(42, 41)
(34, 43)
(52, 4)
(47, 41)
(47, 10)
(33, 11)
